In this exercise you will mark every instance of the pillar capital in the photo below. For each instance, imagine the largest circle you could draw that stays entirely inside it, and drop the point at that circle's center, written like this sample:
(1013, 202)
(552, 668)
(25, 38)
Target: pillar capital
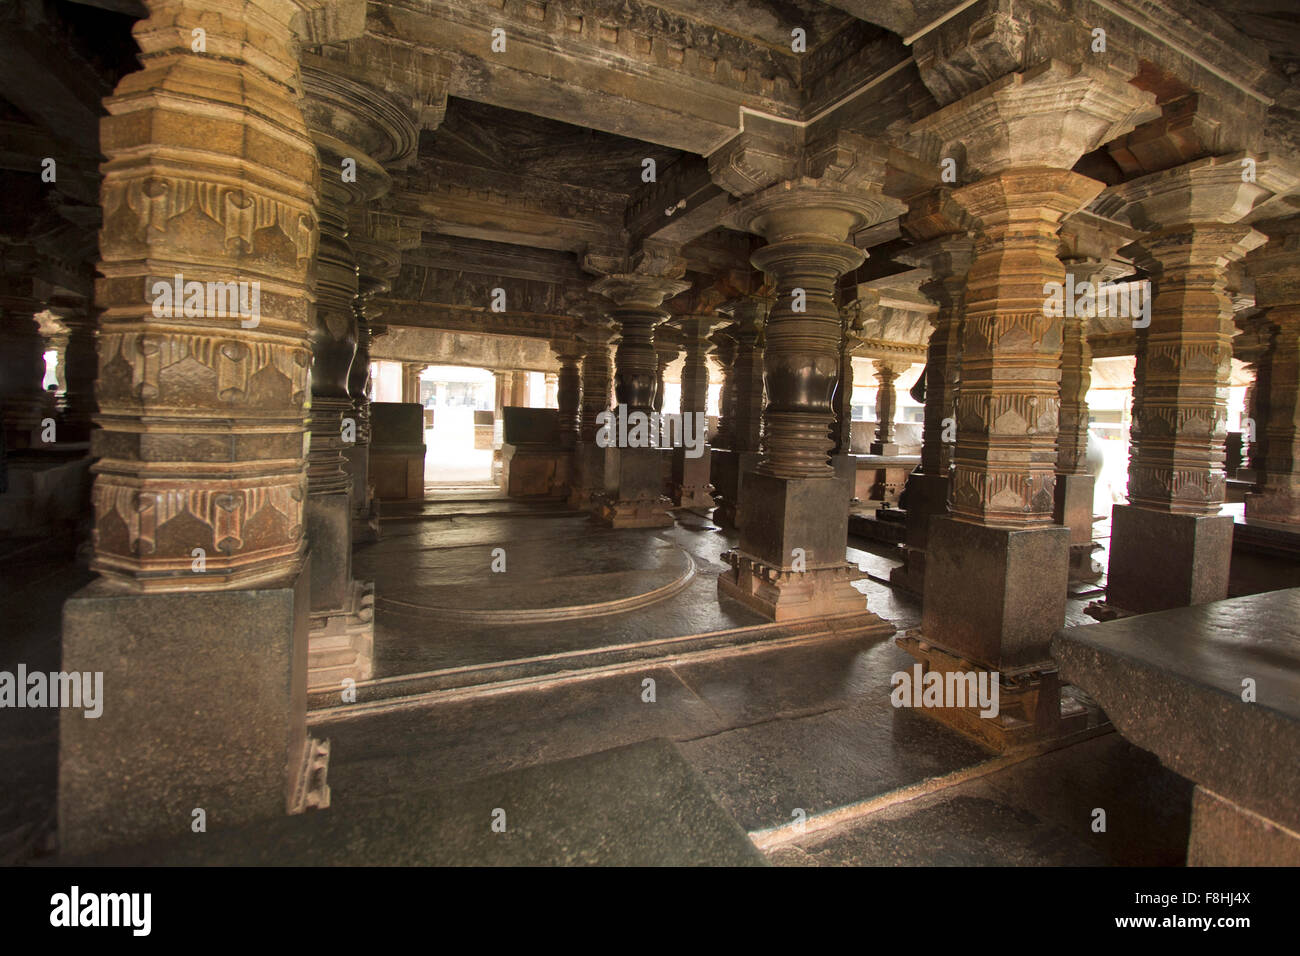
(1047, 116)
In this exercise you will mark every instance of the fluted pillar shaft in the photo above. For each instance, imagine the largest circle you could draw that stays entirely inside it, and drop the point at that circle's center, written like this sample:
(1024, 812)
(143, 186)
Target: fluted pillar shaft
(724, 348)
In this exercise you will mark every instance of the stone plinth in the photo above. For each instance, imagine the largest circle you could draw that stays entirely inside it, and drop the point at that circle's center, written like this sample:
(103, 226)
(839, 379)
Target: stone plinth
(1073, 510)
(993, 595)
(1173, 683)
(204, 707)
(691, 486)
(927, 498)
(727, 472)
(1160, 560)
(634, 484)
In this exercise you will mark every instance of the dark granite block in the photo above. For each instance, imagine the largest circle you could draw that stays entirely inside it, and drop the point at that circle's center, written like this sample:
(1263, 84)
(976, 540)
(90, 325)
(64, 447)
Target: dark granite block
(1160, 560)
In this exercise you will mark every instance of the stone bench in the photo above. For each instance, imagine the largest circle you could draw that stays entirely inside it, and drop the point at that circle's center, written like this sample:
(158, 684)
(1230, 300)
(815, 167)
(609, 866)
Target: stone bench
(1173, 683)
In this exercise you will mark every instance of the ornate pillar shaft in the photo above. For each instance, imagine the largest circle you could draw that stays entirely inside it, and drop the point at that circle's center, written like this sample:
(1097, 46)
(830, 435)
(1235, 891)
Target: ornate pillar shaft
(947, 257)
(568, 394)
(842, 430)
(1076, 378)
(724, 349)
(886, 374)
(411, 383)
(208, 239)
(1276, 268)
(22, 350)
(742, 408)
(589, 458)
(80, 369)
(634, 474)
(691, 465)
(1170, 547)
(801, 360)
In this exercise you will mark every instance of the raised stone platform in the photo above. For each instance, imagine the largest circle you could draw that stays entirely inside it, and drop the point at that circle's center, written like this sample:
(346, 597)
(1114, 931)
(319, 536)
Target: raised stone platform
(541, 579)
(1214, 691)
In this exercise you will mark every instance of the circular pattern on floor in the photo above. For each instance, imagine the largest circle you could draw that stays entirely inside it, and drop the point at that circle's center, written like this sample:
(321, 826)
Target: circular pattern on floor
(542, 580)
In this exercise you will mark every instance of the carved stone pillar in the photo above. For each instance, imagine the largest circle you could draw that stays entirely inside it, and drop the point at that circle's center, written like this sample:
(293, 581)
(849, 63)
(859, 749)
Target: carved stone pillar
(22, 350)
(378, 262)
(519, 390)
(745, 382)
(691, 487)
(724, 350)
(634, 475)
(948, 256)
(80, 369)
(1170, 547)
(996, 569)
(568, 390)
(842, 430)
(790, 562)
(411, 383)
(210, 179)
(589, 458)
(886, 374)
(1276, 269)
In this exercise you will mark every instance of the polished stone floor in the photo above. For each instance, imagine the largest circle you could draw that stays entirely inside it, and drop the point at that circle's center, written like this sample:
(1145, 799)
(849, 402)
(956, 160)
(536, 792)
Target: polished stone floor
(749, 729)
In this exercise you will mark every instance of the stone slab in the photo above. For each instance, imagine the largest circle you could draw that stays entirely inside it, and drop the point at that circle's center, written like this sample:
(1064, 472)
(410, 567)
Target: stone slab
(639, 805)
(1171, 682)
(807, 513)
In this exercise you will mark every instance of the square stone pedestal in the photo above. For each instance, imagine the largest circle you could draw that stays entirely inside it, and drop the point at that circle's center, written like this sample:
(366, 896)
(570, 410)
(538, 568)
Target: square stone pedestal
(204, 707)
(925, 497)
(994, 596)
(887, 449)
(727, 473)
(993, 599)
(327, 523)
(365, 507)
(791, 560)
(587, 481)
(1160, 560)
(634, 482)
(691, 487)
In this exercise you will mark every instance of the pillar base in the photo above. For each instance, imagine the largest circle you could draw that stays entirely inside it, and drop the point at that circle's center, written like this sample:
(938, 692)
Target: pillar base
(786, 595)
(173, 736)
(995, 596)
(727, 472)
(691, 488)
(1227, 834)
(634, 484)
(1160, 560)
(341, 644)
(887, 449)
(327, 523)
(588, 481)
(1073, 509)
(1030, 706)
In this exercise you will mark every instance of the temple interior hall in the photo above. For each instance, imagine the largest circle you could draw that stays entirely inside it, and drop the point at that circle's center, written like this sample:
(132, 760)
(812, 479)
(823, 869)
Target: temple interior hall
(676, 432)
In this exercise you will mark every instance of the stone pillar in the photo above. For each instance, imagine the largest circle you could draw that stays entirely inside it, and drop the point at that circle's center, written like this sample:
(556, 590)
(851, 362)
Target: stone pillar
(519, 390)
(378, 263)
(1276, 270)
(948, 257)
(22, 350)
(886, 374)
(996, 569)
(666, 352)
(1169, 545)
(210, 176)
(80, 369)
(634, 478)
(1074, 482)
(724, 350)
(790, 562)
(552, 382)
(411, 381)
(589, 458)
(745, 382)
(568, 390)
(691, 488)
